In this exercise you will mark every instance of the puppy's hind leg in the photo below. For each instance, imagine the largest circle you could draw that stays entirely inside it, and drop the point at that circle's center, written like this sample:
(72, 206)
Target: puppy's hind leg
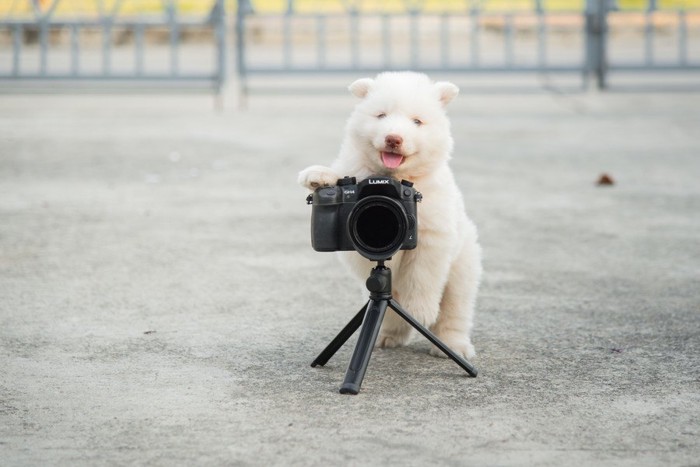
(454, 323)
(394, 331)
(419, 286)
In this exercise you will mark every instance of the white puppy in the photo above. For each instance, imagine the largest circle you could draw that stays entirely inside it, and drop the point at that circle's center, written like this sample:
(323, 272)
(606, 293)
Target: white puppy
(400, 129)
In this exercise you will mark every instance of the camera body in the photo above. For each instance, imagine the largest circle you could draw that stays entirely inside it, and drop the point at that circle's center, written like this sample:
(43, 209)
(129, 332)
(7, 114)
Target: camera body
(376, 217)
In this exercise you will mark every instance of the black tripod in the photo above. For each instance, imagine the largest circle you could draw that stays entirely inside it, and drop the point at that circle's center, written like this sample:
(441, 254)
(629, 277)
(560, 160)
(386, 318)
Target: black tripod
(370, 317)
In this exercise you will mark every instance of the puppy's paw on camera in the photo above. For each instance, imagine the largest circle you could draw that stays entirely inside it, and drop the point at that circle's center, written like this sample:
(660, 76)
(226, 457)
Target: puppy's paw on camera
(317, 176)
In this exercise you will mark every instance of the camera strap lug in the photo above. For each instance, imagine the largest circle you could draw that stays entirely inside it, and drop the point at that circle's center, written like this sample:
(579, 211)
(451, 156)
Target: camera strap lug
(310, 199)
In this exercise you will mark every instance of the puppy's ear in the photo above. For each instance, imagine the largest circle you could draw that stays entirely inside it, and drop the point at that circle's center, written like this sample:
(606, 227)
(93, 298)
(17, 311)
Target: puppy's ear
(361, 87)
(446, 91)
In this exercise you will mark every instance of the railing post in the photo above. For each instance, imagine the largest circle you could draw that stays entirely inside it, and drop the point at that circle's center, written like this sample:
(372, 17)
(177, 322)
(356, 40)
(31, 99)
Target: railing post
(219, 23)
(243, 8)
(596, 41)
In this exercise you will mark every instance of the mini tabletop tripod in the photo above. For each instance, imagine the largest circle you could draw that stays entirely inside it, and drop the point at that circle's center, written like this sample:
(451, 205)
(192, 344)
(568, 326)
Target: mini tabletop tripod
(370, 318)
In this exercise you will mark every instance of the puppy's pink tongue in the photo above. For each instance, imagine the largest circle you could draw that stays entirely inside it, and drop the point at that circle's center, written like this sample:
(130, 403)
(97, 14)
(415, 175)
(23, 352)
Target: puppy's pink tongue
(391, 160)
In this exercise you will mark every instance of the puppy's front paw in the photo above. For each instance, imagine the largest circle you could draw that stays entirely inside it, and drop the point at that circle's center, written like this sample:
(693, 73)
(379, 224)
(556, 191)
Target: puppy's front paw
(389, 341)
(459, 344)
(316, 176)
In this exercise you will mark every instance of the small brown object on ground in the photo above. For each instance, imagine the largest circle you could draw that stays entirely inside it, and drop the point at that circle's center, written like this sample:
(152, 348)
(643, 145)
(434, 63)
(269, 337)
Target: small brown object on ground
(605, 179)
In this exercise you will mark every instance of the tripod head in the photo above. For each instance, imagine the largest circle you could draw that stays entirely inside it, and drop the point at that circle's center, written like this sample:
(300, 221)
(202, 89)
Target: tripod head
(379, 282)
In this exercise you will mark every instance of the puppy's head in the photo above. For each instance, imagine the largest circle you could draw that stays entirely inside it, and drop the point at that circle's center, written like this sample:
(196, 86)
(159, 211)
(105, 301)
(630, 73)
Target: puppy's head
(400, 127)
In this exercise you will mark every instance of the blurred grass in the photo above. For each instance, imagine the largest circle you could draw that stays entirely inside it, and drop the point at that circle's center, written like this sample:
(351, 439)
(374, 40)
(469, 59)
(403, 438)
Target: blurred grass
(133, 7)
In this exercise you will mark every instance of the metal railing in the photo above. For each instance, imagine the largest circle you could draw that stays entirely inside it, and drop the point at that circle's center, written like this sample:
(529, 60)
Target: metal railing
(43, 44)
(471, 39)
(608, 51)
(656, 23)
(81, 47)
(466, 40)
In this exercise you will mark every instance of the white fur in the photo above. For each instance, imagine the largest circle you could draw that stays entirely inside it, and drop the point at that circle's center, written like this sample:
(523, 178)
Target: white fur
(436, 282)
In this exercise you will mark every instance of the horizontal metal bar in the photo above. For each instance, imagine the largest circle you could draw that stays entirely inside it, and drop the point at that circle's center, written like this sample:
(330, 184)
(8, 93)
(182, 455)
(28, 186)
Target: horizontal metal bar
(436, 69)
(643, 11)
(432, 14)
(69, 87)
(653, 67)
(478, 70)
(8, 24)
(110, 77)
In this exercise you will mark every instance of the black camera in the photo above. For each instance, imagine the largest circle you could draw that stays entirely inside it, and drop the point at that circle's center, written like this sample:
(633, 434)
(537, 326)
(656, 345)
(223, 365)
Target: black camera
(376, 217)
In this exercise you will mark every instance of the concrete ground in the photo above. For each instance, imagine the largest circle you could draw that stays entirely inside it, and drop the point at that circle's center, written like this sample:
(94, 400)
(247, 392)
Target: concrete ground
(160, 302)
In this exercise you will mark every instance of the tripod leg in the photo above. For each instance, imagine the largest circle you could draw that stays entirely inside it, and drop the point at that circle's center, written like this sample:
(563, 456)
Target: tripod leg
(433, 338)
(363, 349)
(340, 339)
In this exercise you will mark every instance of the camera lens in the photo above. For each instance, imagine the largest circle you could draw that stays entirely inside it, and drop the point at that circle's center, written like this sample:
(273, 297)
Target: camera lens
(377, 226)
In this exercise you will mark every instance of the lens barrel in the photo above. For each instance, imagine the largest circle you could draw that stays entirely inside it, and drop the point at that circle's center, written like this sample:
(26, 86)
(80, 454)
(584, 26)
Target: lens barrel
(377, 227)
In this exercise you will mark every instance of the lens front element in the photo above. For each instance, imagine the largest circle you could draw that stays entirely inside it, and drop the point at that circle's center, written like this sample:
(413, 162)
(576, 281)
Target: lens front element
(377, 227)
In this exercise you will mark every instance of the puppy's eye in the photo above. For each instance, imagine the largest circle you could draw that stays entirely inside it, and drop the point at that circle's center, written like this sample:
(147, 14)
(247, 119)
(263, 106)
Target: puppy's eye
(381, 115)
(417, 121)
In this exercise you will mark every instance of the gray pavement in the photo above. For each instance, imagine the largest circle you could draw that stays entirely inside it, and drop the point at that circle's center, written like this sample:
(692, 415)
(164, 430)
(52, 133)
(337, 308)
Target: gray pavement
(160, 302)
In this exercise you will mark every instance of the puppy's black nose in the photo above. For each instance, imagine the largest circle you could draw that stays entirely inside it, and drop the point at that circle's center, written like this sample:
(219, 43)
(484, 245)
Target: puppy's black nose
(393, 141)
